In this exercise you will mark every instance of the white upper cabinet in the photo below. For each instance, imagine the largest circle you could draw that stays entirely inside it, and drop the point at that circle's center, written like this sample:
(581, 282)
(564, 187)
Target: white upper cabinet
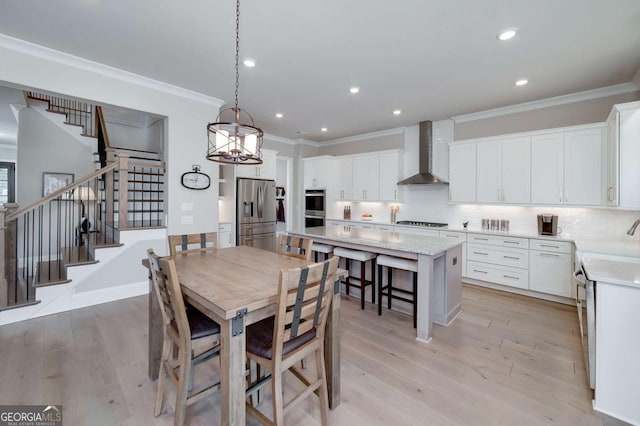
(547, 157)
(566, 167)
(366, 175)
(389, 176)
(583, 167)
(624, 152)
(503, 171)
(317, 172)
(488, 172)
(462, 173)
(266, 170)
(516, 170)
(344, 178)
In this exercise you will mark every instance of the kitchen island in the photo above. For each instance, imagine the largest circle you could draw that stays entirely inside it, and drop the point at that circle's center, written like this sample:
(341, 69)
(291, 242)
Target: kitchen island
(439, 267)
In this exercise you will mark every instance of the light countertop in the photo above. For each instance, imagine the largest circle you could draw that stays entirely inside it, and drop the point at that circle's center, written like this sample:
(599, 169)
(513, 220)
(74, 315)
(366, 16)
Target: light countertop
(609, 269)
(419, 244)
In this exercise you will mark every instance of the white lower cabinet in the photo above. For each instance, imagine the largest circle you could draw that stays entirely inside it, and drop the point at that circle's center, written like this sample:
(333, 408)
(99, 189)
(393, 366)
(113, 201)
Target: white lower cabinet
(417, 231)
(514, 277)
(225, 235)
(498, 259)
(550, 267)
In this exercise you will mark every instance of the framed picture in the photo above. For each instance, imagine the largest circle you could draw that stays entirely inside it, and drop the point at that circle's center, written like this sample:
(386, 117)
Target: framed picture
(51, 182)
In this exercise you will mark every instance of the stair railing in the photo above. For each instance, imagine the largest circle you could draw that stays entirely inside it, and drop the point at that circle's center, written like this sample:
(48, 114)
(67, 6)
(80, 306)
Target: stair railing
(103, 137)
(78, 113)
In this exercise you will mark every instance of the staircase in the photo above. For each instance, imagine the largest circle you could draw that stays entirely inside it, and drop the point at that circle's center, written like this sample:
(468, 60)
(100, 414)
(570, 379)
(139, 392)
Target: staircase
(67, 229)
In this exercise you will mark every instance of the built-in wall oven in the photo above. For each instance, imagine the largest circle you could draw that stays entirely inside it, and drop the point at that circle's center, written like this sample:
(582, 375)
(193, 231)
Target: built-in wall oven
(314, 208)
(586, 304)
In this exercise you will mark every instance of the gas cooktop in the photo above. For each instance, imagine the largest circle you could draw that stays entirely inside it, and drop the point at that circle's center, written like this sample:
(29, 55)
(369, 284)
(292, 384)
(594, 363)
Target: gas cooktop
(424, 224)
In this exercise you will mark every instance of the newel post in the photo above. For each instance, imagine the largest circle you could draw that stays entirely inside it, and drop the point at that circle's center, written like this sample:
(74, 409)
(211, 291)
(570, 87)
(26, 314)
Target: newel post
(7, 237)
(123, 186)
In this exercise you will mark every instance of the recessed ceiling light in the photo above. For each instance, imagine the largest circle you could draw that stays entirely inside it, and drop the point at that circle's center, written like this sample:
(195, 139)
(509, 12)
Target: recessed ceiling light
(354, 89)
(324, 129)
(507, 34)
(279, 115)
(522, 82)
(249, 63)
(397, 111)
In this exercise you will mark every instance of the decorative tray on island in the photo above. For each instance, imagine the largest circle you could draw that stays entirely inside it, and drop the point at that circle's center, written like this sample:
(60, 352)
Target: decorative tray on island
(367, 218)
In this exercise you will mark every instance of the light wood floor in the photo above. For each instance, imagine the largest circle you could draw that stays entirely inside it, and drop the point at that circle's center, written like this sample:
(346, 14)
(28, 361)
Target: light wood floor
(506, 360)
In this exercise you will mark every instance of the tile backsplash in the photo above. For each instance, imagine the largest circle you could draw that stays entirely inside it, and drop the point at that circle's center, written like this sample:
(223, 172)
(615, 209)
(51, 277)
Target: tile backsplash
(430, 203)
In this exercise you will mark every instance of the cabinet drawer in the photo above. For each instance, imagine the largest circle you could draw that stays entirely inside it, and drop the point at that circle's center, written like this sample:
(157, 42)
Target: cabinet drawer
(499, 240)
(417, 231)
(334, 223)
(224, 227)
(459, 236)
(517, 258)
(505, 275)
(553, 246)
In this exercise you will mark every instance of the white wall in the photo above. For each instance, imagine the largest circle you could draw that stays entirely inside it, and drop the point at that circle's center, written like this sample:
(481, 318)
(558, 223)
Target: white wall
(45, 147)
(187, 115)
(8, 154)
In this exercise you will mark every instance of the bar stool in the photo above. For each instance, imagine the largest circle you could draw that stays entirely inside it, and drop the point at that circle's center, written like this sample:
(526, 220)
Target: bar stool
(363, 257)
(387, 290)
(321, 248)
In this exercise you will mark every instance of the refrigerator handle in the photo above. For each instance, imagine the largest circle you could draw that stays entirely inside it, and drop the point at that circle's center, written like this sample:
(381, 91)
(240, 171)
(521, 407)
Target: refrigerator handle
(260, 200)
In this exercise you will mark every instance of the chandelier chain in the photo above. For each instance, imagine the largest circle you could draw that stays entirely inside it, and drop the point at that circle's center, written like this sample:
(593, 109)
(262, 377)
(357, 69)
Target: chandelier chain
(237, 50)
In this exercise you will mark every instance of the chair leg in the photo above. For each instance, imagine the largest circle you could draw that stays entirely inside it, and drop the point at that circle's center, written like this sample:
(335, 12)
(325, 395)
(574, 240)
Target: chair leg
(362, 286)
(346, 261)
(415, 300)
(162, 377)
(182, 388)
(278, 398)
(380, 289)
(373, 283)
(323, 391)
(390, 285)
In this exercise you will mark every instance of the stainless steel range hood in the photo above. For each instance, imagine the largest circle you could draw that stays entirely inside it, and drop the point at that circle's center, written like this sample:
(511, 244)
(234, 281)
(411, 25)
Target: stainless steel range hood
(425, 158)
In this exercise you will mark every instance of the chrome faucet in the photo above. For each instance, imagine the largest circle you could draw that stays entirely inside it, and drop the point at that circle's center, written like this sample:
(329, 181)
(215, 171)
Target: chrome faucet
(632, 230)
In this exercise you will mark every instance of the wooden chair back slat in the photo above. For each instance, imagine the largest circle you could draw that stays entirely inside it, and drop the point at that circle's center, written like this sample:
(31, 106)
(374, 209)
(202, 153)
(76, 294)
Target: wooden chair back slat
(311, 287)
(167, 287)
(299, 247)
(192, 242)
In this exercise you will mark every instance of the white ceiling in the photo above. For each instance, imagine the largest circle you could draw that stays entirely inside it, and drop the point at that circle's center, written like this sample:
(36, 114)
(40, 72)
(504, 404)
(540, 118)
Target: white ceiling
(431, 58)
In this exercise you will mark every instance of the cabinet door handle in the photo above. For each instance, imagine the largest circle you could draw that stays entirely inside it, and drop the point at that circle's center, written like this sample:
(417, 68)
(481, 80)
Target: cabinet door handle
(479, 252)
(511, 242)
(510, 276)
(480, 239)
(549, 255)
(451, 236)
(511, 257)
(482, 272)
(502, 194)
(498, 194)
(548, 245)
(395, 194)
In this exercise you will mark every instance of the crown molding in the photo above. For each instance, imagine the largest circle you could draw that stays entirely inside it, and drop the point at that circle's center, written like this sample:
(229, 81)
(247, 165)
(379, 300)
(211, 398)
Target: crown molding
(602, 92)
(380, 133)
(73, 61)
(280, 139)
(307, 142)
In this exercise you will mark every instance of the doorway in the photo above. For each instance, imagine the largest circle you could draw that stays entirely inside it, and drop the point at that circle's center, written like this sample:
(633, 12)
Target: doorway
(7, 182)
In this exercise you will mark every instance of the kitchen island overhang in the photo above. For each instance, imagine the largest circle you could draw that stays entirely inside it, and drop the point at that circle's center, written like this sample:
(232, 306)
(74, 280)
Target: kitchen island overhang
(439, 267)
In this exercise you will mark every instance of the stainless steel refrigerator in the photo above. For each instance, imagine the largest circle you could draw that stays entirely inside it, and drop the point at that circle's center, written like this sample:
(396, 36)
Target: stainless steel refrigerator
(256, 213)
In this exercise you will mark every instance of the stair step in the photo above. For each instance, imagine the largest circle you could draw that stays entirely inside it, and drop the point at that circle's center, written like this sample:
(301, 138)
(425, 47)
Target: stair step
(51, 272)
(104, 240)
(134, 149)
(80, 255)
(19, 305)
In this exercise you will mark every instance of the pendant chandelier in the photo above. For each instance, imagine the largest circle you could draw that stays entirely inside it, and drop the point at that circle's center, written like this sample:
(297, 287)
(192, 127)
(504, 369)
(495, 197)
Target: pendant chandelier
(234, 138)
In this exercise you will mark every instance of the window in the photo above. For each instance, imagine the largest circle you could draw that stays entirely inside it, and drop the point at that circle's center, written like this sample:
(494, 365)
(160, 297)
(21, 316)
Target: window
(7, 182)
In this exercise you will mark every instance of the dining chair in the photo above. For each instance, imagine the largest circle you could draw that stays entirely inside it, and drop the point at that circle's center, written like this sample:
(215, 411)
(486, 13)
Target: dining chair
(185, 243)
(296, 331)
(195, 336)
(299, 247)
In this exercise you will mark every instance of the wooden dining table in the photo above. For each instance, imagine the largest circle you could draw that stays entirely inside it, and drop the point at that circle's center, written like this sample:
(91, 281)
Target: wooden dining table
(238, 286)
